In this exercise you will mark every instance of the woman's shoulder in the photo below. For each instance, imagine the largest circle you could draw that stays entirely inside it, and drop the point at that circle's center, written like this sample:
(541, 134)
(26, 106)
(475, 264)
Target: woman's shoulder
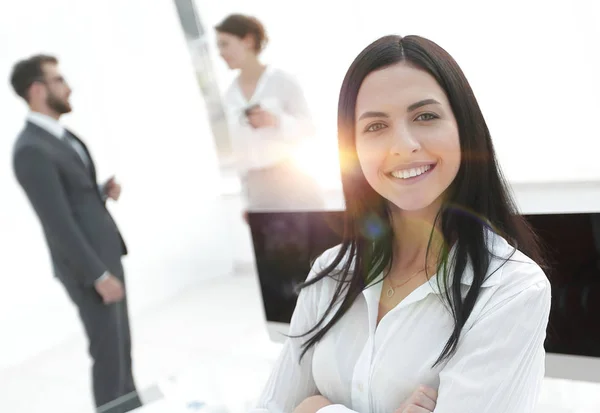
(277, 72)
(512, 270)
(322, 262)
(328, 257)
(282, 77)
(324, 290)
(515, 287)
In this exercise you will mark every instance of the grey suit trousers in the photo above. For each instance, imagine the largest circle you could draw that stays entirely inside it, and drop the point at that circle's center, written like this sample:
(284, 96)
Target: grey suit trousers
(109, 339)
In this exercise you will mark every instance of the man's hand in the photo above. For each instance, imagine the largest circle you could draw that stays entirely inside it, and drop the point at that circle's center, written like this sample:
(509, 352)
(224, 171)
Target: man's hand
(260, 118)
(423, 400)
(312, 404)
(112, 189)
(110, 289)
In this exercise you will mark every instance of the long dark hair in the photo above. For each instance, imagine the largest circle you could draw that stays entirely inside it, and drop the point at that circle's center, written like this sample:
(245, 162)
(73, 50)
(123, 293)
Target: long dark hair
(478, 199)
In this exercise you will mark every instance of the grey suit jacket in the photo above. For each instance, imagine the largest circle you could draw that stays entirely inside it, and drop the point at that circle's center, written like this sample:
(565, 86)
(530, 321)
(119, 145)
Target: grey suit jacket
(83, 239)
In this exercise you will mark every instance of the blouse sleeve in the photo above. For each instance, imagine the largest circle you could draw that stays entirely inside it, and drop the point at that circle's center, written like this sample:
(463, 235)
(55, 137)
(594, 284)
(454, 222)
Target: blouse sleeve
(295, 120)
(499, 363)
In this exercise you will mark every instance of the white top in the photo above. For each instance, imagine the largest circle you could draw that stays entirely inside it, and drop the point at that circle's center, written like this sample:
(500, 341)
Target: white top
(279, 93)
(498, 367)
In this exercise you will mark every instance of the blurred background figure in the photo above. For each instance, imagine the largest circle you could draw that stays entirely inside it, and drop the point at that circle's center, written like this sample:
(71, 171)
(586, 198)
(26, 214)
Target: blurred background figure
(268, 120)
(57, 173)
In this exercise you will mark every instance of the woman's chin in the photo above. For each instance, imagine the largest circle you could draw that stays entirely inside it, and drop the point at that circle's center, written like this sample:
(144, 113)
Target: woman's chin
(232, 65)
(415, 206)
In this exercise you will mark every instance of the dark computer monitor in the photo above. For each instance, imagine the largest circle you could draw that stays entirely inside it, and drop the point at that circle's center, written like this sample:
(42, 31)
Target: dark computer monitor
(286, 244)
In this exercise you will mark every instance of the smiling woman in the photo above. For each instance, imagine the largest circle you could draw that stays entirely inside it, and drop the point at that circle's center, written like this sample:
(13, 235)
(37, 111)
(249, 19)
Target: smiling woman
(444, 308)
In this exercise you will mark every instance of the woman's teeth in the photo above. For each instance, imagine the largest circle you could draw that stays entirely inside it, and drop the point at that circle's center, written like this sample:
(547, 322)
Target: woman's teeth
(411, 173)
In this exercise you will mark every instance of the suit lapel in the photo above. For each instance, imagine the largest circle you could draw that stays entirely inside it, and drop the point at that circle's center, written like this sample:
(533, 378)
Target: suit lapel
(92, 167)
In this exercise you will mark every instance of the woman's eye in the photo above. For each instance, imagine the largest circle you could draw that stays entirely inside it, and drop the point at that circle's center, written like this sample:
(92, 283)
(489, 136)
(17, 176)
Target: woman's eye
(426, 117)
(375, 127)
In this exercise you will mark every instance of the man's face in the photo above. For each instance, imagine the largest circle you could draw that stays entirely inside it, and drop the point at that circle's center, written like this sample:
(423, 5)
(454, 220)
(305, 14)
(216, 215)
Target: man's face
(57, 90)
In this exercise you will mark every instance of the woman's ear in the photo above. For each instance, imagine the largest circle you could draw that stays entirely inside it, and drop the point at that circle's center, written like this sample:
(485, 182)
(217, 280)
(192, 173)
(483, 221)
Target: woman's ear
(250, 43)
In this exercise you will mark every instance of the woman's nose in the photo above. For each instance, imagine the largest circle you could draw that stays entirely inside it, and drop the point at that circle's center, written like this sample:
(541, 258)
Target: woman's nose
(404, 142)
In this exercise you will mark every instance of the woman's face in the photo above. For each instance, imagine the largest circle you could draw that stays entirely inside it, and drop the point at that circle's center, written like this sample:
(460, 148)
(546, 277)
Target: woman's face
(407, 138)
(234, 50)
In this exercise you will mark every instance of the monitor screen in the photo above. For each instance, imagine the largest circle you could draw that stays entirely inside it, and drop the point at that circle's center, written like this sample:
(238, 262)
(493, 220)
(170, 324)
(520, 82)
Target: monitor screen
(571, 246)
(286, 243)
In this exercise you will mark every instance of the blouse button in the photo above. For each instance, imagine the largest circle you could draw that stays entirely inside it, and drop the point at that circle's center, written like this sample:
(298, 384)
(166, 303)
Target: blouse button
(360, 387)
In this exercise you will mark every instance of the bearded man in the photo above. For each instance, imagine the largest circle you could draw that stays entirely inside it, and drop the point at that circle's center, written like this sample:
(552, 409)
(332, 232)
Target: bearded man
(56, 171)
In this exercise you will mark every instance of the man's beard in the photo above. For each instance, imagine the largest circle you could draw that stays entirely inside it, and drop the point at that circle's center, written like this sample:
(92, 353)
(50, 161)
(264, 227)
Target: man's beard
(57, 105)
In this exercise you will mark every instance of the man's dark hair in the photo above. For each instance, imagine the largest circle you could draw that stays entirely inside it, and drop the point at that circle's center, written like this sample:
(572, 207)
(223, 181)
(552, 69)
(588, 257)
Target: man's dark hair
(26, 72)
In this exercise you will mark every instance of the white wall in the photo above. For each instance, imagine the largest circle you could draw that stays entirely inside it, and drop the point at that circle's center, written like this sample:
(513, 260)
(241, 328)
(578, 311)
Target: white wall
(137, 105)
(533, 65)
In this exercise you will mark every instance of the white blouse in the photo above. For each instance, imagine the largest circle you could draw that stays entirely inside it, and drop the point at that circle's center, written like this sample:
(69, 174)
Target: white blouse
(498, 366)
(279, 93)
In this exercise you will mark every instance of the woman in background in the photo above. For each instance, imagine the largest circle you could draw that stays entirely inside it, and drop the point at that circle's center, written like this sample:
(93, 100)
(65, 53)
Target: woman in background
(268, 118)
(434, 301)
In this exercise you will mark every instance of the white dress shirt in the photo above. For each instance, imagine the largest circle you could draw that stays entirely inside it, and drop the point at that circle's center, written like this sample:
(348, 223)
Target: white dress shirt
(47, 123)
(363, 367)
(279, 93)
(52, 126)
